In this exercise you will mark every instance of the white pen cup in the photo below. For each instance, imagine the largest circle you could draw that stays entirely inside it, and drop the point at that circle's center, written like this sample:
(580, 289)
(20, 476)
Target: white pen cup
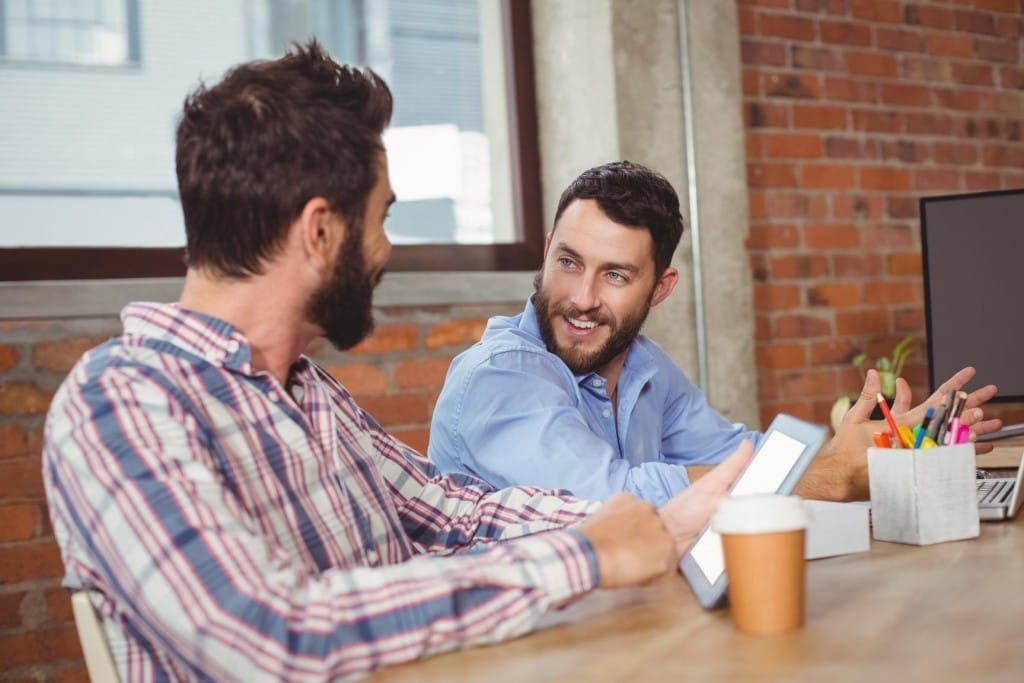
(763, 540)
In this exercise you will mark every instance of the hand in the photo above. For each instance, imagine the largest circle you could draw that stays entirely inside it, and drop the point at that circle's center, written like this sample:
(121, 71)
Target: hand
(630, 541)
(687, 513)
(972, 414)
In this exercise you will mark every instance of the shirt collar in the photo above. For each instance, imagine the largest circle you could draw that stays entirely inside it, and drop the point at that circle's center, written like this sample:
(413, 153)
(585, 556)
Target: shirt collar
(215, 340)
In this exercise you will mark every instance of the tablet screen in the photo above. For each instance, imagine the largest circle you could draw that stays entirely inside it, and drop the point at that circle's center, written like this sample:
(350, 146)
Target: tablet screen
(776, 456)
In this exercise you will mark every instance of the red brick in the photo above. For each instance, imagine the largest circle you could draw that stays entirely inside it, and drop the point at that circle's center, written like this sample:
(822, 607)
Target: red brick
(831, 236)
(1009, 27)
(361, 379)
(61, 356)
(747, 21)
(20, 522)
(29, 561)
(834, 294)
(816, 116)
(801, 86)
(423, 372)
(907, 151)
(859, 62)
(777, 4)
(799, 409)
(8, 357)
(39, 646)
(998, 50)
(908, 321)
(950, 45)
(900, 40)
(823, 175)
(925, 14)
(955, 153)
(857, 265)
(904, 264)
(764, 115)
(762, 327)
(781, 356)
(876, 121)
(850, 148)
(1004, 102)
(809, 383)
(58, 605)
(1009, 6)
(919, 123)
(819, 6)
(957, 98)
(922, 69)
(884, 178)
(418, 439)
(789, 205)
(1004, 155)
(20, 398)
(832, 351)
(977, 181)
(861, 322)
(857, 206)
(974, 22)
(817, 58)
(12, 440)
(455, 332)
(850, 89)
(905, 95)
(21, 478)
(776, 297)
(9, 606)
(400, 337)
(767, 390)
(786, 26)
(756, 208)
(773, 236)
(891, 293)
(751, 82)
(877, 10)
(936, 179)
(401, 409)
(1011, 77)
(793, 146)
(771, 175)
(889, 236)
(762, 53)
(845, 33)
(800, 326)
(799, 266)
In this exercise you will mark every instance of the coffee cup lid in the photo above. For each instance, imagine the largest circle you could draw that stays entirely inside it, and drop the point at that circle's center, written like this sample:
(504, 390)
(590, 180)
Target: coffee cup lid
(758, 514)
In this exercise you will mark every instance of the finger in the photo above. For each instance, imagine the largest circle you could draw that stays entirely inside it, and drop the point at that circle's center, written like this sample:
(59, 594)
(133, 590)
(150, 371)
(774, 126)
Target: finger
(982, 395)
(986, 427)
(866, 402)
(902, 400)
(718, 480)
(954, 383)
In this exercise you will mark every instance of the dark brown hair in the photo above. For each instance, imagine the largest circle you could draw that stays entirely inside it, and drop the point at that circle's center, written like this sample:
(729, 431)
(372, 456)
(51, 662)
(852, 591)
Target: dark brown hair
(255, 148)
(634, 196)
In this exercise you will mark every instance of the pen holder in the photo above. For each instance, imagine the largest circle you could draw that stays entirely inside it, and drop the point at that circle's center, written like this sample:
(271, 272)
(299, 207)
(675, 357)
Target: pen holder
(923, 496)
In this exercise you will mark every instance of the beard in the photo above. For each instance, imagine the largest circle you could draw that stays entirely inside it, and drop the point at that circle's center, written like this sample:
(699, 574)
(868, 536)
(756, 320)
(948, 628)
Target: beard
(578, 360)
(343, 306)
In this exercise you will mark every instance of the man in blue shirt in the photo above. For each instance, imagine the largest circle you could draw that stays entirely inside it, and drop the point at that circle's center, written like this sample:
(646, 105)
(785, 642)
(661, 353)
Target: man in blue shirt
(569, 394)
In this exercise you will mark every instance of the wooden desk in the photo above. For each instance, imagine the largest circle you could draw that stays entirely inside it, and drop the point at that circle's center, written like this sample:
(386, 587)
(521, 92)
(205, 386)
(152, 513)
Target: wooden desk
(1005, 455)
(951, 611)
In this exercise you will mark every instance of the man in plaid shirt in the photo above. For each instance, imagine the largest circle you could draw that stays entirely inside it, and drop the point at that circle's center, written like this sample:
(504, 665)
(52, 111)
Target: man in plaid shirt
(234, 515)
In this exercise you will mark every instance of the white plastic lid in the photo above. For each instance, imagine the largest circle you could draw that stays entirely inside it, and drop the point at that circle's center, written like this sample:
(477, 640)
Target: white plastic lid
(759, 514)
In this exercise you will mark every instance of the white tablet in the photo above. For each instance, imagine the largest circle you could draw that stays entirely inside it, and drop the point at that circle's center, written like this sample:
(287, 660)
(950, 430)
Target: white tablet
(780, 460)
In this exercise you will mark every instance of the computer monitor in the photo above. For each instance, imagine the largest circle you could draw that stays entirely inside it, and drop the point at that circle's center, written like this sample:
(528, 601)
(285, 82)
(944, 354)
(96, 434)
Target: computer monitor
(973, 255)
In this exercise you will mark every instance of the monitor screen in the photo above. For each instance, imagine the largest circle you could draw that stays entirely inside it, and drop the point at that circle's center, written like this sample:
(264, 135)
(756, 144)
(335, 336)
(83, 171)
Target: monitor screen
(973, 257)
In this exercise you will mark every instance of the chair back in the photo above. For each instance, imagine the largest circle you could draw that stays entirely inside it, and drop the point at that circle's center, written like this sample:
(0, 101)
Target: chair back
(98, 660)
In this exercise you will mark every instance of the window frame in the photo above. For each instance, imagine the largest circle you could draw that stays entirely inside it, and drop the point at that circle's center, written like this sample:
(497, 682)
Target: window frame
(19, 264)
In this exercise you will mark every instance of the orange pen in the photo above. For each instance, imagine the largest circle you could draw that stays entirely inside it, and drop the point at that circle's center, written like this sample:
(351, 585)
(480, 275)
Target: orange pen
(897, 438)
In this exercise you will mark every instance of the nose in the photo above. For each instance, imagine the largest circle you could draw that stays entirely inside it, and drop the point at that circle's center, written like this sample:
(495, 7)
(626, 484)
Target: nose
(584, 297)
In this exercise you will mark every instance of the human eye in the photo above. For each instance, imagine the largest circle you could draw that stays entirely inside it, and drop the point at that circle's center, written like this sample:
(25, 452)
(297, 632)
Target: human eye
(617, 277)
(566, 262)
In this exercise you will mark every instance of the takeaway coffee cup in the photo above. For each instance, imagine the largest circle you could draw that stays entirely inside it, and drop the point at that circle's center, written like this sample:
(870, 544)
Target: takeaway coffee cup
(763, 543)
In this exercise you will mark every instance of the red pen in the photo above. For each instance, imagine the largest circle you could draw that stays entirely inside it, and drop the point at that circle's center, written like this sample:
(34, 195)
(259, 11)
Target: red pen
(881, 439)
(897, 438)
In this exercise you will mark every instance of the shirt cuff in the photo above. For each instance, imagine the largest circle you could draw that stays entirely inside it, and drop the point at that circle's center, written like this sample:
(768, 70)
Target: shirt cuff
(567, 563)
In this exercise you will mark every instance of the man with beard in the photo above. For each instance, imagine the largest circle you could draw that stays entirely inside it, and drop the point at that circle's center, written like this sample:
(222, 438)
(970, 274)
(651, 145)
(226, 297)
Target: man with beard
(231, 511)
(569, 393)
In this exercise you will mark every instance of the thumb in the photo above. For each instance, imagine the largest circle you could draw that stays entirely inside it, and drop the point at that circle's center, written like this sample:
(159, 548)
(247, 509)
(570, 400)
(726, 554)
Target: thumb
(866, 402)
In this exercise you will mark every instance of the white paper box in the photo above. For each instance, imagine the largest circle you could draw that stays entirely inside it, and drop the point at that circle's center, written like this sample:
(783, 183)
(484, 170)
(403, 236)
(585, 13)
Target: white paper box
(836, 529)
(923, 496)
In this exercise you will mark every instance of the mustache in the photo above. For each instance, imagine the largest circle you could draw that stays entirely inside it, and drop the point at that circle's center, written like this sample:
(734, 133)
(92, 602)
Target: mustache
(570, 311)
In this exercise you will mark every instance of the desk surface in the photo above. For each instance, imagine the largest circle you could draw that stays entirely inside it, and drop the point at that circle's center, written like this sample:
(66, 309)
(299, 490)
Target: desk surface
(897, 612)
(1006, 454)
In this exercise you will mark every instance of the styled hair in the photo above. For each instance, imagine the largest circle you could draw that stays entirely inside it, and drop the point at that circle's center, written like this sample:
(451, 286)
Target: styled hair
(253, 149)
(633, 196)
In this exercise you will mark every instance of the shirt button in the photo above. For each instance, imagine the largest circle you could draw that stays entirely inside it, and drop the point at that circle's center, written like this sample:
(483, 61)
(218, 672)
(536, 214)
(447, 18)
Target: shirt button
(596, 382)
(372, 557)
(212, 356)
(607, 413)
(232, 346)
(273, 397)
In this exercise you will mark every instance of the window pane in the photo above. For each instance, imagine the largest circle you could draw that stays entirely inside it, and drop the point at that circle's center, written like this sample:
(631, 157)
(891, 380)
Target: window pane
(93, 32)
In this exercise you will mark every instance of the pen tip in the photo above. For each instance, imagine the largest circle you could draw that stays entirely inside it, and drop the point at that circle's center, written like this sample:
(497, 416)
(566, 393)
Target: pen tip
(879, 398)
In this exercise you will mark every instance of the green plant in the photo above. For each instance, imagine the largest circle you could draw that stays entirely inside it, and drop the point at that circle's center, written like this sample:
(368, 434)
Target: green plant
(888, 368)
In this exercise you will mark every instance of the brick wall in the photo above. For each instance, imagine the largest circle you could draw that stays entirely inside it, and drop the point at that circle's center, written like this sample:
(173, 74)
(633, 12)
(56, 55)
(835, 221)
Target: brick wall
(395, 374)
(853, 110)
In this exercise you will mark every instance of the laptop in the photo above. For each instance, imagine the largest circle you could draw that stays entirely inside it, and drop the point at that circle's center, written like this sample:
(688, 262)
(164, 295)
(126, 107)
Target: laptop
(1000, 498)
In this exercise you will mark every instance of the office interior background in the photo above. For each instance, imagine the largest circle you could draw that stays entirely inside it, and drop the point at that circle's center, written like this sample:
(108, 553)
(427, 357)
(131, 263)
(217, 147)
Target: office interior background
(800, 135)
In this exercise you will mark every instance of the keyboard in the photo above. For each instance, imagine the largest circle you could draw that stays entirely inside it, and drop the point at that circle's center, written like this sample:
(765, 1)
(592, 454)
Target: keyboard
(994, 491)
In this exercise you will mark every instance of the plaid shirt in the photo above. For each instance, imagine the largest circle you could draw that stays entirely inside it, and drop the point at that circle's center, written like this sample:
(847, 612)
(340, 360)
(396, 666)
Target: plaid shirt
(233, 530)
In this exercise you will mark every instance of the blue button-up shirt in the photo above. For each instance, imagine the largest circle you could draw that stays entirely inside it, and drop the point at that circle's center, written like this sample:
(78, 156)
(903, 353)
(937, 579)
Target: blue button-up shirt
(513, 413)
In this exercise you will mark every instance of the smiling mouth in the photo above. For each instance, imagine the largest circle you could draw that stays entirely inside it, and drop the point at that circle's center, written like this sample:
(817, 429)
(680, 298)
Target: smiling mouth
(581, 324)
